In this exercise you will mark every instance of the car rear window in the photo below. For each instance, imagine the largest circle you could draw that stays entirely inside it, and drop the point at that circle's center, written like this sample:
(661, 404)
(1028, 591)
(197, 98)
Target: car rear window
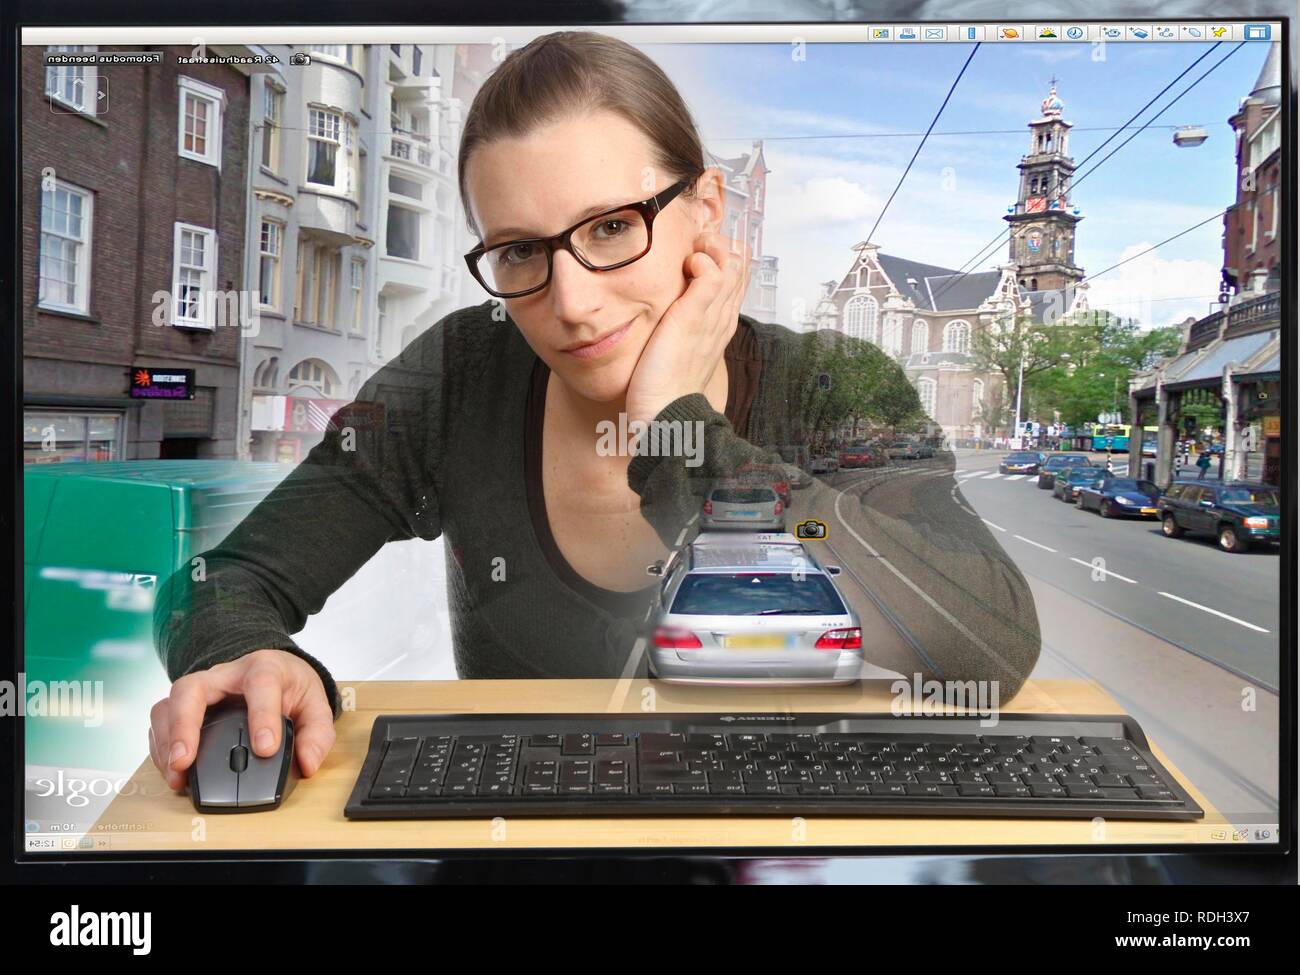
(1062, 460)
(756, 594)
(1131, 484)
(753, 495)
(1240, 495)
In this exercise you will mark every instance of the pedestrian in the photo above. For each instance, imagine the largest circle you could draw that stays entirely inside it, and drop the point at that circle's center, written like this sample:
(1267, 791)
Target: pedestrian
(1203, 462)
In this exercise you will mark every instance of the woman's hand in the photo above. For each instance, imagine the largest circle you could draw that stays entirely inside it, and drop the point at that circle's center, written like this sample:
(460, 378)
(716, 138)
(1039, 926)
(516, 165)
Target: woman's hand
(686, 346)
(273, 683)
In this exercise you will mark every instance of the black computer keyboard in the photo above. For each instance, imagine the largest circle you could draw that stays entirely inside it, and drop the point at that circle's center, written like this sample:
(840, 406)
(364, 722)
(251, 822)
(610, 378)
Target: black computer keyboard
(1026, 765)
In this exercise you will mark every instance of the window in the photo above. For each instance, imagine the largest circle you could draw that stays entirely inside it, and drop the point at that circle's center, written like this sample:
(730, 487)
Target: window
(891, 339)
(925, 388)
(340, 52)
(920, 337)
(73, 84)
(956, 337)
(417, 59)
(272, 112)
(200, 121)
(315, 374)
(1251, 220)
(64, 276)
(860, 318)
(318, 275)
(403, 239)
(1271, 232)
(268, 274)
(194, 255)
(381, 319)
(358, 294)
(405, 187)
(977, 397)
(324, 140)
(50, 438)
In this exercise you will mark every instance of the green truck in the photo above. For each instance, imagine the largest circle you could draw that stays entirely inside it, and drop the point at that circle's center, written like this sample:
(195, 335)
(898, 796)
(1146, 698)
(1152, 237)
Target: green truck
(99, 539)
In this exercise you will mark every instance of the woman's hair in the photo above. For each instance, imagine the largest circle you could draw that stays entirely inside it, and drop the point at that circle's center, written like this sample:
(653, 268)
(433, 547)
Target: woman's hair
(569, 72)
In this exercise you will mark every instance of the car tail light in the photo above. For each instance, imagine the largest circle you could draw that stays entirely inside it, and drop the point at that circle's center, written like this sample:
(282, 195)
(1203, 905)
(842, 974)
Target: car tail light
(778, 507)
(708, 507)
(849, 638)
(675, 638)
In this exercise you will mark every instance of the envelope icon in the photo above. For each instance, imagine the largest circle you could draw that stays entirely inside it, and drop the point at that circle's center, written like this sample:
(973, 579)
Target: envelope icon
(934, 33)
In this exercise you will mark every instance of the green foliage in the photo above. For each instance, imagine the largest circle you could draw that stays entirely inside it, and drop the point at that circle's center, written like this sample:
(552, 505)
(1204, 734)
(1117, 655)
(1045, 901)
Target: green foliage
(866, 385)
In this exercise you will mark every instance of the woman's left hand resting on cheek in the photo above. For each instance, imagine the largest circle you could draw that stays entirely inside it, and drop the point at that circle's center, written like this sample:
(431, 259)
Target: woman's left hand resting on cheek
(687, 345)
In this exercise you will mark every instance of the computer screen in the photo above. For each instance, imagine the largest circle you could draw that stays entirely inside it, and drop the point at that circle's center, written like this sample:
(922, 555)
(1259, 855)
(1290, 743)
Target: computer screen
(572, 380)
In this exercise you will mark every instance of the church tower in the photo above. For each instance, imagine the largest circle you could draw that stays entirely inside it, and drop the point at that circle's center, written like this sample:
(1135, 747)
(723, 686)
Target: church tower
(1043, 220)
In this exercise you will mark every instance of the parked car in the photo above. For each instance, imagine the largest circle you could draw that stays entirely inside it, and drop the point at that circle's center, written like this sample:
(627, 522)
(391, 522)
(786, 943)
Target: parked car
(735, 608)
(737, 504)
(1048, 469)
(1067, 482)
(1239, 513)
(1148, 448)
(797, 476)
(902, 450)
(858, 457)
(1020, 462)
(824, 464)
(1113, 496)
(924, 450)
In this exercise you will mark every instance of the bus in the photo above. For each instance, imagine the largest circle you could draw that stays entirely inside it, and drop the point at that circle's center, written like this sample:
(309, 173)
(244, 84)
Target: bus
(1113, 437)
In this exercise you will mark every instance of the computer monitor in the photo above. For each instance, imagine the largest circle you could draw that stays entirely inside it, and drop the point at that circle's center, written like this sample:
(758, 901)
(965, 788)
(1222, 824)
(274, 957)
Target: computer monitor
(908, 370)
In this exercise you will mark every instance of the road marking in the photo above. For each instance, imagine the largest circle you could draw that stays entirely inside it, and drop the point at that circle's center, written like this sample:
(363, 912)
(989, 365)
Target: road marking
(1032, 542)
(929, 600)
(959, 471)
(993, 476)
(1016, 477)
(1097, 568)
(1188, 602)
(991, 525)
(969, 474)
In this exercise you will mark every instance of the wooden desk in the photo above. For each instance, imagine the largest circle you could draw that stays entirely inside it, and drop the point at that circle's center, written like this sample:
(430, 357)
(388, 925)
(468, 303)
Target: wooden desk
(149, 816)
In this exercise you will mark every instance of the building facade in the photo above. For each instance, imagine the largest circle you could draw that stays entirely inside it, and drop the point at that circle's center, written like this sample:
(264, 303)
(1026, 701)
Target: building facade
(745, 185)
(925, 315)
(134, 201)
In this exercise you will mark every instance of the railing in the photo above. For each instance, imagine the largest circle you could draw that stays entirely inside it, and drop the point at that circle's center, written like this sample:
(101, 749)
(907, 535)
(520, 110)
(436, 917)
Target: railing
(1254, 315)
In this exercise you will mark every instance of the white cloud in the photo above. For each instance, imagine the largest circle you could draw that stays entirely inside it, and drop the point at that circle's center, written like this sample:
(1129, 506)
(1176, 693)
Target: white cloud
(1154, 290)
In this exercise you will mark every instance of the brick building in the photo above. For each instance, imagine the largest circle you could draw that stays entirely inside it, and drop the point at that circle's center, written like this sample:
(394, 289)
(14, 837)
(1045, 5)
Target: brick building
(133, 199)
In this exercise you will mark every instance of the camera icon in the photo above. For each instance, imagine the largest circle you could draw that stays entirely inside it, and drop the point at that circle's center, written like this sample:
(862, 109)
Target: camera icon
(812, 528)
(300, 59)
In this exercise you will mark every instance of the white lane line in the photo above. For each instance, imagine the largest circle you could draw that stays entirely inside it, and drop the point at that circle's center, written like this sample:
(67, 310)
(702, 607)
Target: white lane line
(1106, 572)
(1015, 477)
(960, 470)
(969, 474)
(1188, 602)
(991, 477)
(1037, 544)
(991, 525)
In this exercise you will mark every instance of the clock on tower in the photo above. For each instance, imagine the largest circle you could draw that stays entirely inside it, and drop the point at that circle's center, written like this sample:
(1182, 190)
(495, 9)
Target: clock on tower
(1042, 221)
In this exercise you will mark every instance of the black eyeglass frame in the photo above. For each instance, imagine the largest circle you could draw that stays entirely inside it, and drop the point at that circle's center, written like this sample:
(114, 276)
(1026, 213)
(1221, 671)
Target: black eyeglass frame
(648, 209)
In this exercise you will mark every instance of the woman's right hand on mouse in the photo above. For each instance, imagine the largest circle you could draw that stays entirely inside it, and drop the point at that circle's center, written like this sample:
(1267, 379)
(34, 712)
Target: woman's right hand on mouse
(273, 683)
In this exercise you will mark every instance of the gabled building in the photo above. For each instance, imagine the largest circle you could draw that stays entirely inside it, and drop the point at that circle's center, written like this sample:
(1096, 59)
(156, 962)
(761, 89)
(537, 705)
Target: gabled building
(926, 315)
(745, 180)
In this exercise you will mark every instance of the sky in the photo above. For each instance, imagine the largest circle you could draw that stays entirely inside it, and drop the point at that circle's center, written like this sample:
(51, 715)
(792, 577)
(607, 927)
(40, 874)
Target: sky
(867, 105)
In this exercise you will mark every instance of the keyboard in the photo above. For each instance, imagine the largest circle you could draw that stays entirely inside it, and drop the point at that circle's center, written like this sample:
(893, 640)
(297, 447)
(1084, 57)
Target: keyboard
(1025, 765)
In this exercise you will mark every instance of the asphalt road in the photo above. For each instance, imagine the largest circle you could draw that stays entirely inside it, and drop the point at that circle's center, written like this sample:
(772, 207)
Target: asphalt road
(1182, 635)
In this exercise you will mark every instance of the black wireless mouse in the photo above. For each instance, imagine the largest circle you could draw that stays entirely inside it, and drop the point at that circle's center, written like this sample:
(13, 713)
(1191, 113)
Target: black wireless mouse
(226, 775)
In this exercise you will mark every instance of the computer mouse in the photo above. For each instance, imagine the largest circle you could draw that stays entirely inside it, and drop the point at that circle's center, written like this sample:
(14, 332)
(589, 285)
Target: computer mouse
(226, 775)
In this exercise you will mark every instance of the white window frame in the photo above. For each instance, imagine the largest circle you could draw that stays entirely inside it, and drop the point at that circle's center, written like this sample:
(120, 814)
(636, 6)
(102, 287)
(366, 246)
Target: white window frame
(321, 378)
(83, 267)
(216, 99)
(1271, 232)
(55, 73)
(920, 330)
(345, 149)
(925, 385)
(420, 213)
(954, 327)
(272, 130)
(277, 287)
(861, 325)
(207, 275)
(357, 283)
(1254, 223)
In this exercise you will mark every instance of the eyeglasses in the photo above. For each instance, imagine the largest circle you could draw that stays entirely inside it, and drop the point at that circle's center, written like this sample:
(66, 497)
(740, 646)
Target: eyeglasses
(611, 239)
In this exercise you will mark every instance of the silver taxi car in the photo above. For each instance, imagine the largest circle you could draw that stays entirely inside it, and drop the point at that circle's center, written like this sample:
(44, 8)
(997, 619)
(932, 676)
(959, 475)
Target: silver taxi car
(753, 609)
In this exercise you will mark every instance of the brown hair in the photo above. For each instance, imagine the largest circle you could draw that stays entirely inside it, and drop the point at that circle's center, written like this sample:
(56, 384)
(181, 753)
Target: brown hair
(562, 73)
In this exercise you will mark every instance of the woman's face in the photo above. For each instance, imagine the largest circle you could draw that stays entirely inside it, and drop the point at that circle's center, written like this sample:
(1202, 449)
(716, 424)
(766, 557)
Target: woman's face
(541, 183)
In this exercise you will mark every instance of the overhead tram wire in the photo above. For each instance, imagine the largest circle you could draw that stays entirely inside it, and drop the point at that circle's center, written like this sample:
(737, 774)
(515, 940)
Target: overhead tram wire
(967, 267)
(921, 145)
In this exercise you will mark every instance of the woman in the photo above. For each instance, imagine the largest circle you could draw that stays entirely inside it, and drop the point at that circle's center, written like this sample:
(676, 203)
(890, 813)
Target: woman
(583, 176)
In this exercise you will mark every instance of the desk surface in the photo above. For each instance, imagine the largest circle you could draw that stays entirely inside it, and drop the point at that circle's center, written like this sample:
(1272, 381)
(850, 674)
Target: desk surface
(149, 816)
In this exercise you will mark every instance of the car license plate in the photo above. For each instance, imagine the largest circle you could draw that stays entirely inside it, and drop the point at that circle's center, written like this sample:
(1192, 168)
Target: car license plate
(1148, 511)
(744, 514)
(764, 642)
